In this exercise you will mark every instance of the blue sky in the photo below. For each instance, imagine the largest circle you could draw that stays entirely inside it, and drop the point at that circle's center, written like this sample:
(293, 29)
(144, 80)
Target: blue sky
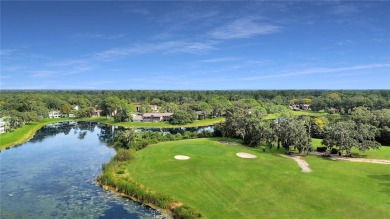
(197, 45)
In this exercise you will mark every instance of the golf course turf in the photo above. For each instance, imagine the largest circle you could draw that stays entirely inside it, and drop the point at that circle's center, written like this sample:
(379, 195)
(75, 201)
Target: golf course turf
(219, 184)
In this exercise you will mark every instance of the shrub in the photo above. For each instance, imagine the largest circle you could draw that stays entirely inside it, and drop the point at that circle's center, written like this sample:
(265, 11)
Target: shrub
(321, 149)
(334, 151)
(123, 155)
(185, 212)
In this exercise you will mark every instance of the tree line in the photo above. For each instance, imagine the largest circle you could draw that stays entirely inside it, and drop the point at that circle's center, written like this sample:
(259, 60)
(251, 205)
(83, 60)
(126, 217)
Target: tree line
(25, 106)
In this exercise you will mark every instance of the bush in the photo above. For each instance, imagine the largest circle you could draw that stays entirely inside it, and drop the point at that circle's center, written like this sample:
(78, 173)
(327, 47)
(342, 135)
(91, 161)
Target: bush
(321, 149)
(185, 212)
(120, 172)
(334, 151)
(123, 155)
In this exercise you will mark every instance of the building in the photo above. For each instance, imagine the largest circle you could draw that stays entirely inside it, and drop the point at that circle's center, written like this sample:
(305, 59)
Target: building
(156, 117)
(96, 112)
(2, 127)
(137, 118)
(54, 114)
(202, 115)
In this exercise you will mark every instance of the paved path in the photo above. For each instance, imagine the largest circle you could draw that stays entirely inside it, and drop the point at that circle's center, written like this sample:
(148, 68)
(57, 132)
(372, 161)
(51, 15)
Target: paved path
(363, 160)
(301, 163)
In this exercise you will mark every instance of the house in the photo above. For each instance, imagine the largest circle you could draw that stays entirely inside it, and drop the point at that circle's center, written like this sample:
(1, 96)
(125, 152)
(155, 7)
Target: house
(2, 127)
(54, 114)
(156, 117)
(96, 112)
(72, 115)
(137, 118)
(305, 107)
(201, 115)
(76, 108)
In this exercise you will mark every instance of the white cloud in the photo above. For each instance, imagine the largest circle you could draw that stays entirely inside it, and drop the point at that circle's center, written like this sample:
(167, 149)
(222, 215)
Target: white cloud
(243, 28)
(6, 52)
(44, 74)
(316, 71)
(162, 47)
(344, 10)
(99, 36)
(216, 60)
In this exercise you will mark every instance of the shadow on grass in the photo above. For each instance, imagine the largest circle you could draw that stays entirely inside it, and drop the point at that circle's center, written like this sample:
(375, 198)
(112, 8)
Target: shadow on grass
(385, 185)
(357, 155)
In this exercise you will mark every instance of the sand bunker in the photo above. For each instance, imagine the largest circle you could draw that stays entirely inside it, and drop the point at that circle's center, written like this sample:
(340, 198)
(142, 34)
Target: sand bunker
(182, 157)
(245, 155)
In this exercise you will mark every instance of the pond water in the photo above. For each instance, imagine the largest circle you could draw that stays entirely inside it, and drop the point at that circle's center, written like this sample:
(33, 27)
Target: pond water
(209, 128)
(53, 176)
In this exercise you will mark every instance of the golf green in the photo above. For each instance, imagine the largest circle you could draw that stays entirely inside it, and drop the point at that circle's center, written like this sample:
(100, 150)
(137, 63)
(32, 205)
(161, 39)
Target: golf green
(219, 184)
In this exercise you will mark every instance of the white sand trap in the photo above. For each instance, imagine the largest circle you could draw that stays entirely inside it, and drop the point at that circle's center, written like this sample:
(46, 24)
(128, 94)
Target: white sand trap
(182, 157)
(245, 155)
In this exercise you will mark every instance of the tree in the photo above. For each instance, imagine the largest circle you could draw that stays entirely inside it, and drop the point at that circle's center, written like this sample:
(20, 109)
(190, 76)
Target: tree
(254, 129)
(181, 117)
(125, 139)
(169, 107)
(292, 132)
(348, 134)
(219, 105)
(65, 108)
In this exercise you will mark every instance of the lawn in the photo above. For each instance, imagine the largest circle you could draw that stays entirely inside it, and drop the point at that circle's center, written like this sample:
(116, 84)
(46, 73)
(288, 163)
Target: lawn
(298, 113)
(220, 185)
(22, 134)
(382, 153)
(109, 121)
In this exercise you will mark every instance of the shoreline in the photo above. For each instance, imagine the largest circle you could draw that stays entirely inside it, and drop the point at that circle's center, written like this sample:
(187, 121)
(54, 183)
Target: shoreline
(166, 212)
(38, 125)
(29, 133)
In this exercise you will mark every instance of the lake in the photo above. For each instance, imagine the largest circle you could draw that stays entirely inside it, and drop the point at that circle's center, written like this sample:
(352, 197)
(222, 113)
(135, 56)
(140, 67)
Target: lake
(53, 176)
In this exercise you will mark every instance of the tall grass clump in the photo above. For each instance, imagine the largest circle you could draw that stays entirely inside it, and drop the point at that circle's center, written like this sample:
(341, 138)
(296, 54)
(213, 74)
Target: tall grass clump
(123, 184)
(185, 212)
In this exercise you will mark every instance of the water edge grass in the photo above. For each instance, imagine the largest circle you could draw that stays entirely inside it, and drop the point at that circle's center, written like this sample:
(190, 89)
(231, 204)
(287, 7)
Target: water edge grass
(22, 134)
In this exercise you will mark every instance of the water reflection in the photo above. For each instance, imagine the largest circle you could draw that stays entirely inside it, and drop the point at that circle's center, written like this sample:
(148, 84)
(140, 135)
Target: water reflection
(53, 176)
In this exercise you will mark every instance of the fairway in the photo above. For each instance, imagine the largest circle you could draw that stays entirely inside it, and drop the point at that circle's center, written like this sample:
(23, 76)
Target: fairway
(221, 185)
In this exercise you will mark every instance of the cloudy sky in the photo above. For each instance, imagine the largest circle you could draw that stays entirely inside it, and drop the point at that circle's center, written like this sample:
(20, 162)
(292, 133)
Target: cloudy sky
(198, 45)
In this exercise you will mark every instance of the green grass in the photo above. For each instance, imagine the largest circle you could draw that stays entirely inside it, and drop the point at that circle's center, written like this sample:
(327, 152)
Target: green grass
(298, 113)
(25, 132)
(110, 121)
(382, 153)
(220, 185)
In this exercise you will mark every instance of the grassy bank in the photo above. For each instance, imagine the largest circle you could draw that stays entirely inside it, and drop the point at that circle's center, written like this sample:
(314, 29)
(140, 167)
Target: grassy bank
(221, 185)
(24, 133)
(110, 121)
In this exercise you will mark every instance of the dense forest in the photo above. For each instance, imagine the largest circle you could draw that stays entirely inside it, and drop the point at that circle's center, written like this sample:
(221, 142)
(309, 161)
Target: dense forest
(359, 111)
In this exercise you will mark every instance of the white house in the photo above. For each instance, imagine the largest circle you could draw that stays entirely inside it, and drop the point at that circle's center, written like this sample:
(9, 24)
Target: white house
(2, 127)
(54, 114)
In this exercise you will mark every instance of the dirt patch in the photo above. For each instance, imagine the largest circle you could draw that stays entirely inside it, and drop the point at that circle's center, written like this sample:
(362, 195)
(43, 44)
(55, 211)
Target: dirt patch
(301, 163)
(228, 143)
(245, 155)
(182, 157)
(362, 160)
(175, 205)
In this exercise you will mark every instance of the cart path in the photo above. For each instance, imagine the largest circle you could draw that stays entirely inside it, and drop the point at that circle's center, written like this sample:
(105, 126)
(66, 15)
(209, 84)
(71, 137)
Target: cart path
(362, 160)
(301, 163)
